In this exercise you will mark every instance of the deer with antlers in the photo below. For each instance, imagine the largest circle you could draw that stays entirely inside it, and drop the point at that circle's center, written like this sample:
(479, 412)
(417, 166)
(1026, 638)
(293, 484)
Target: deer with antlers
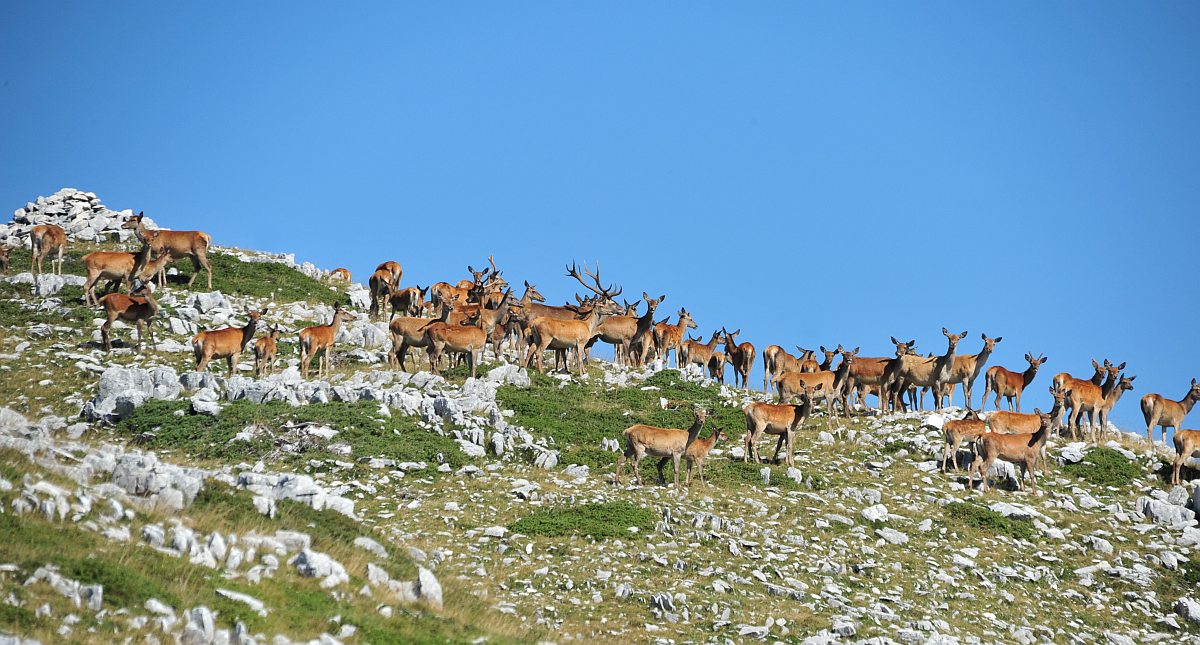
(45, 239)
(139, 308)
(1022, 449)
(921, 371)
(227, 343)
(741, 356)
(1158, 410)
(831, 384)
(780, 419)
(1009, 384)
(181, 244)
(669, 337)
(965, 370)
(1096, 402)
(118, 268)
(1187, 445)
(318, 340)
(265, 351)
(642, 440)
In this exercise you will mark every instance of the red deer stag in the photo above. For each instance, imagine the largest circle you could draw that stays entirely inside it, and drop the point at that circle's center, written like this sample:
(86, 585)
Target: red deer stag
(1158, 410)
(319, 339)
(227, 343)
(45, 239)
(181, 244)
(1008, 384)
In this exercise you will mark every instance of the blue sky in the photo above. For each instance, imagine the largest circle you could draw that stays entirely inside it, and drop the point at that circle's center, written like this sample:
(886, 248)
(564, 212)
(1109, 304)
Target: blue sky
(808, 173)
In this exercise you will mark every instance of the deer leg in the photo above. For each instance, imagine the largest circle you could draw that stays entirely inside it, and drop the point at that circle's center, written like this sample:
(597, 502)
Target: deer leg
(676, 459)
(105, 334)
(662, 478)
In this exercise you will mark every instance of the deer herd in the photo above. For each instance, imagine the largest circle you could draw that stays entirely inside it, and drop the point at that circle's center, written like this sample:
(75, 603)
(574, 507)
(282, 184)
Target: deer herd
(460, 320)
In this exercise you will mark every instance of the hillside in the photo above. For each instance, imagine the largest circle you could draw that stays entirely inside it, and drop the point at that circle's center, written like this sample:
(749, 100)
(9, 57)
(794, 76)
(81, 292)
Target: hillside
(140, 499)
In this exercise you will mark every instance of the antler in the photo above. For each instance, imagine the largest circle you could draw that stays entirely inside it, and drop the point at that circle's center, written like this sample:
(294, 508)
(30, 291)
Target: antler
(606, 293)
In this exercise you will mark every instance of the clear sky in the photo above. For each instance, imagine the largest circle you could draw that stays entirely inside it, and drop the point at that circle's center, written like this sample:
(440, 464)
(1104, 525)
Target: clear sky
(808, 173)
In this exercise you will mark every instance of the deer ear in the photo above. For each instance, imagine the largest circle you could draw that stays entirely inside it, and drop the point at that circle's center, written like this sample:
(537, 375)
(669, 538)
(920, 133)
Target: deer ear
(945, 331)
(1044, 359)
(264, 311)
(999, 338)
(1121, 366)
(855, 352)
(1132, 379)
(1037, 411)
(896, 342)
(1193, 381)
(1095, 364)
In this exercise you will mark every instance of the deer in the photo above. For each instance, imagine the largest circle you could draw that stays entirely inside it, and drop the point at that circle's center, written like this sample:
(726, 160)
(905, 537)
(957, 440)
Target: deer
(1187, 445)
(45, 239)
(779, 363)
(668, 337)
(1008, 384)
(119, 267)
(1063, 380)
(830, 354)
(968, 428)
(1158, 410)
(965, 370)
(832, 385)
(408, 301)
(4, 259)
(781, 419)
(920, 371)
(406, 332)
(643, 336)
(618, 331)
(265, 351)
(189, 244)
(550, 333)
(697, 454)
(1097, 402)
(770, 355)
(741, 356)
(318, 339)
(1023, 449)
(716, 367)
(869, 372)
(1007, 422)
(392, 268)
(808, 364)
(139, 307)
(227, 343)
(381, 285)
(697, 353)
(467, 339)
(672, 443)
(340, 274)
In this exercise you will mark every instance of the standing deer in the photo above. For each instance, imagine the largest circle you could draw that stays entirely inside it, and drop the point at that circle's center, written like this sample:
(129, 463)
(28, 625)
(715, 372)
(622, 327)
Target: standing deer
(808, 364)
(381, 285)
(1008, 384)
(1158, 410)
(1097, 402)
(1022, 449)
(4, 259)
(139, 307)
(393, 269)
(642, 440)
(698, 353)
(966, 369)
(716, 366)
(920, 371)
(549, 333)
(319, 340)
(640, 346)
(780, 419)
(780, 362)
(408, 301)
(968, 428)
(769, 356)
(227, 343)
(740, 355)
(868, 372)
(181, 244)
(466, 339)
(118, 268)
(696, 454)
(618, 331)
(670, 337)
(832, 385)
(1187, 444)
(265, 351)
(46, 238)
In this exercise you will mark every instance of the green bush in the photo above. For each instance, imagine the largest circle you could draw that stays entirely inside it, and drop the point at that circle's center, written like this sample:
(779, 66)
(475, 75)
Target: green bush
(1105, 467)
(602, 520)
(980, 517)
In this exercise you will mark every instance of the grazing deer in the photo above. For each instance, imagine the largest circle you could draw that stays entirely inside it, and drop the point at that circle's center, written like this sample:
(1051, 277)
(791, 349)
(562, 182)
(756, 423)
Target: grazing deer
(696, 454)
(740, 355)
(780, 419)
(394, 270)
(380, 285)
(912, 370)
(716, 367)
(469, 340)
(408, 301)
(832, 385)
(697, 353)
(968, 428)
(670, 337)
(265, 351)
(1158, 410)
(642, 440)
(181, 244)
(119, 268)
(643, 337)
(227, 343)
(965, 370)
(319, 340)
(1097, 402)
(868, 373)
(1022, 449)
(340, 273)
(46, 238)
(139, 307)
(1187, 444)
(1008, 384)
(550, 333)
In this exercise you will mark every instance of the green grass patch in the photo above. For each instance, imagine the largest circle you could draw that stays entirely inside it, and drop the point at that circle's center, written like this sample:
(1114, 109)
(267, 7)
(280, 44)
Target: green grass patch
(602, 520)
(981, 517)
(1104, 467)
(259, 279)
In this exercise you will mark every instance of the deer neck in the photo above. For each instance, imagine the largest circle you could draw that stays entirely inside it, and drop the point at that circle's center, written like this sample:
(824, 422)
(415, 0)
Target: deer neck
(839, 377)
(693, 432)
(1108, 386)
(1027, 376)
(712, 343)
(248, 331)
(827, 363)
(1188, 401)
(337, 322)
(1098, 377)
